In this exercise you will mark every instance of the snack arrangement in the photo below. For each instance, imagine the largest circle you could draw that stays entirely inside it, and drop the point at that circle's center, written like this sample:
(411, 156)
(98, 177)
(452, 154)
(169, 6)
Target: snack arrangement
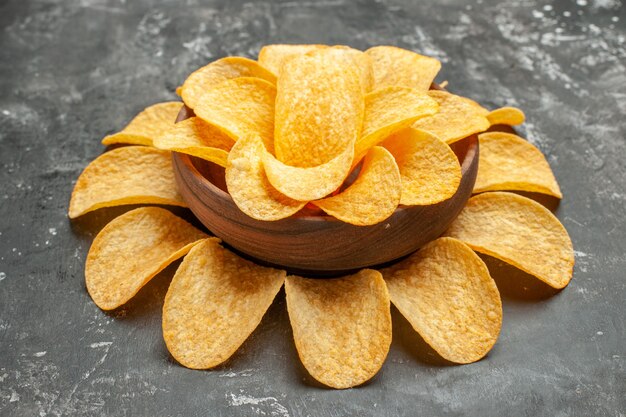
(349, 136)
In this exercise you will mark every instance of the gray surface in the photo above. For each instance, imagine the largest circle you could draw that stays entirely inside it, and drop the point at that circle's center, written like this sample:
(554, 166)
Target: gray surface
(72, 72)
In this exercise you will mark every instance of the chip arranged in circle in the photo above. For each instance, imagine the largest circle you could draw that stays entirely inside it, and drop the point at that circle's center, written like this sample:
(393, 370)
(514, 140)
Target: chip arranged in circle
(519, 231)
(445, 291)
(130, 250)
(128, 175)
(341, 326)
(215, 301)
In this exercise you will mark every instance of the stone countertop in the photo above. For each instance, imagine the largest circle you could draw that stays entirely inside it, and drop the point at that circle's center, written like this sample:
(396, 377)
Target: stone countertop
(72, 72)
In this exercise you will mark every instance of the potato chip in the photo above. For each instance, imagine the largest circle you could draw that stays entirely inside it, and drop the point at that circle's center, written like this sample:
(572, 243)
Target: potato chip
(319, 108)
(128, 175)
(390, 110)
(429, 169)
(458, 117)
(506, 116)
(195, 137)
(147, 125)
(311, 183)
(362, 64)
(207, 77)
(341, 327)
(373, 196)
(399, 67)
(215, 301)
(240, 106)
(508, 162)
(518, 231)
(445, 291)
(272, 57)
(130, 250)
(249, 187)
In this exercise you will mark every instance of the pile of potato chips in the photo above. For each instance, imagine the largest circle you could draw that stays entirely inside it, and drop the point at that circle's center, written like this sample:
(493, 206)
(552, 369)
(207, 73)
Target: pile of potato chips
(290, 129)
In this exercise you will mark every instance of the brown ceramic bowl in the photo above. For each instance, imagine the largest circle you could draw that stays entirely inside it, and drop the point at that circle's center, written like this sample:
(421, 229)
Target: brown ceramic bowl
(312, 243)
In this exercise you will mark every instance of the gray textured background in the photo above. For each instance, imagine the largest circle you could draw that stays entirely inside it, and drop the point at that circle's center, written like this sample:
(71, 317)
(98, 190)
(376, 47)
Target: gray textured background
(74, 71)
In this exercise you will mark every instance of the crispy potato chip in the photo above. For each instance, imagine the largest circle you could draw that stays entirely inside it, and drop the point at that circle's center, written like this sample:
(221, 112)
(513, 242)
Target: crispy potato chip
(319, 108)
(249, 187)
(130, 250)
(506, 116)
(508, 162)
(218, 71)
(429, 169)
(240, 106)
(362, 62)
(390, 110)
(341, 327)
(399, 67)
(147, 125)
(272, 57)
(195, 137)
(458, 117)
(373, 196)
(128, 175)
(311, 183)
(445, 291)
(215, 301)
(519, 231)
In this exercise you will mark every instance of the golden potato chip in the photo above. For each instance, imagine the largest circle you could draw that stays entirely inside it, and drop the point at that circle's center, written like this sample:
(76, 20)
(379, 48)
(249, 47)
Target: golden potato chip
(147, 125)
(207, 77)
(130, 250)
(240, 106)
(373, 196)
(195, 137)
(390, 110)
(519, 231)
(508, 162)
(341, 327)
(506, 116)
(249, 187)
(362, 64)
(272, 57)
(429, 169)
(445, 291)
(128, 175)
(310, 183)
(215, 301)
(399, 67)
(458, 117)
(319, 108)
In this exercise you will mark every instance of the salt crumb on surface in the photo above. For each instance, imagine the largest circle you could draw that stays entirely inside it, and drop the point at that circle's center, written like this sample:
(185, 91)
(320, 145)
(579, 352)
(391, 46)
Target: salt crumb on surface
(2, 276)
(100, 344)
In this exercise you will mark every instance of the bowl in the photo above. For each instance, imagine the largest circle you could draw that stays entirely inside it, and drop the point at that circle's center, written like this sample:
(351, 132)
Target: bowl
(311, 243)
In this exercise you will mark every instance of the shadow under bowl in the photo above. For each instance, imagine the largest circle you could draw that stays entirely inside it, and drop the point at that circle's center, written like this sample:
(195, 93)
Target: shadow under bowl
(312, 243)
